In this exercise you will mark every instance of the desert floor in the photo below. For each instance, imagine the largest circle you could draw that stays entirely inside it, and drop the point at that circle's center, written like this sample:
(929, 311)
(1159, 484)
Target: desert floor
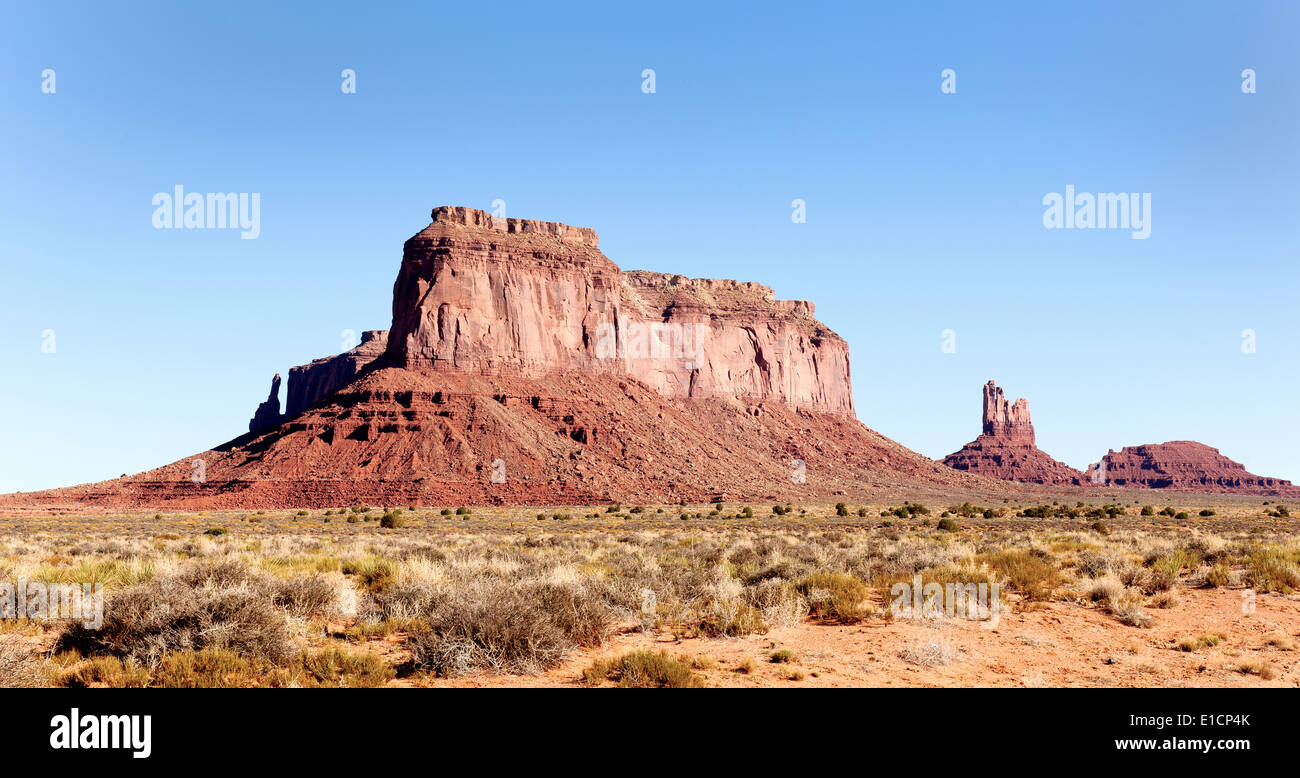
(1094, 591)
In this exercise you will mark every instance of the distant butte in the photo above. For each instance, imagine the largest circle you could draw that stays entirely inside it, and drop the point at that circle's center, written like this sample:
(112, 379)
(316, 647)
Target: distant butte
(1006, 449)
(1184, 465)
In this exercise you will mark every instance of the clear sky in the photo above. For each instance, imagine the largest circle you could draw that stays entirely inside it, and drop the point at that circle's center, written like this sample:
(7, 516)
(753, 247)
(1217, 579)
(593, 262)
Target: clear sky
(924, 209)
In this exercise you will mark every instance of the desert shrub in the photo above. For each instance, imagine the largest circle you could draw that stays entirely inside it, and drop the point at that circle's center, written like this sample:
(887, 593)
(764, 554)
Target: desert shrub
(1273, 570)
(215, 531)
(1217, 576)
(1200, 641)
(205, 606)
(495, 626)
(1264, 670)
(303, 596)
(1281, 640)
(1132, 575)
(778, 600)
(782, 656)
(1100, 527)
(339, 668)
(948, 525)
(581, 614)
(727, 618)
(1160, 579)
(1164, 600)
(1127, 607)
(210, 668)
(109, 671)
(375, 573)
(835, 596)
(392, 520)
(644, 669)
(463, 511)
(841, 509)
(1105, 589)
(1206, 512)
(1093, 564)
(1147, 510)
(1024, 571)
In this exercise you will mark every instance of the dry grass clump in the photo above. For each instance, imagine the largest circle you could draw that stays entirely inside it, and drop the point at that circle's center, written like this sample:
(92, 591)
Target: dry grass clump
(1105, 588)
(1259, 667)
(1031, 574)
(1205, 640)
(838, 597)
(1280, 640)
(1094, 564)
(1217, 576)
(494, 626)
(208, 605)
(109, 671)
(645, 670)
(1274, 569)
(1127, 606)
(335, 667)
(1163, 600)
(215, 668)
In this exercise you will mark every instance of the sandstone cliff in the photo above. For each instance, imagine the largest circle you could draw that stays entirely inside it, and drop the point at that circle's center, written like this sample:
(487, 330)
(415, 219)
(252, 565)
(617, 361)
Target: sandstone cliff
(494, 296)
(310, 382)
(1006, 448)
(1184, 465)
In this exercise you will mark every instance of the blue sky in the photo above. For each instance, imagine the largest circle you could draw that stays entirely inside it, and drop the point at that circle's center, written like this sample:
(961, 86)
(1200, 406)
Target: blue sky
(924, 209)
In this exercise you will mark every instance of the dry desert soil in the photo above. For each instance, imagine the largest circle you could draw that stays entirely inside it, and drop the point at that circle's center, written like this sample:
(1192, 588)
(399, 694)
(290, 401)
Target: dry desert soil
(1093, 591)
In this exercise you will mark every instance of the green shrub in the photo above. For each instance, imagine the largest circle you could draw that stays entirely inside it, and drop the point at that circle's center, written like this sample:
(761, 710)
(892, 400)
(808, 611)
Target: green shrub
(646, 670)
(1025, 572)
(835, 596)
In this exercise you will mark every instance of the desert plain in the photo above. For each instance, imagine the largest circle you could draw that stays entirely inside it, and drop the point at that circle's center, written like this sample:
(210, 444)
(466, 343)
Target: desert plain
(1097, 587)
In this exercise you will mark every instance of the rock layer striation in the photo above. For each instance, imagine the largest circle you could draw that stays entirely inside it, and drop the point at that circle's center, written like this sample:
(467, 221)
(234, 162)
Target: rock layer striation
(1184, 465)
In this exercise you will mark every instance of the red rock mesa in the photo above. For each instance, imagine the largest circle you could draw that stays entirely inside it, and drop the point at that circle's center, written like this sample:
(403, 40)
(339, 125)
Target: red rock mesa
(1184, 465)
(522, 366)
(1006, 447)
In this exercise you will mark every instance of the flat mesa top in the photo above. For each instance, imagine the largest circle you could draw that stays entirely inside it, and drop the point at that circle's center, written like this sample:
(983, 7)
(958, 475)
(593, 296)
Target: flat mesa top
(473, 217)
